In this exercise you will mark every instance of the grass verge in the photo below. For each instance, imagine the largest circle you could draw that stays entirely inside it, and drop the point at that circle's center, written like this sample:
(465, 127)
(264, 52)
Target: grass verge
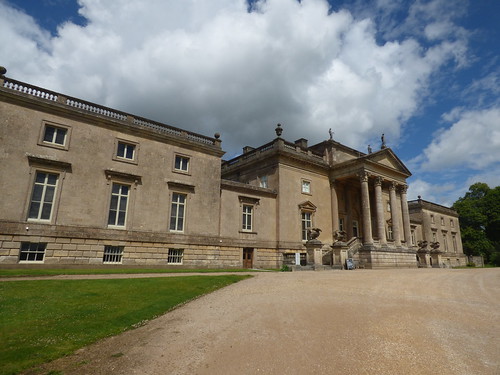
(104, 271)
(44, 320)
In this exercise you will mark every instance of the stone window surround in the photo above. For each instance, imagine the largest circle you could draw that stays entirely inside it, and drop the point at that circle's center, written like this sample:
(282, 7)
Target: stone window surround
(175, 256)
(44, 164)
(253, 203)
(113, 254)
(121, 178)
(134, 160)
(305, 186)
(28, 249)
(185, 159)
(67, 137)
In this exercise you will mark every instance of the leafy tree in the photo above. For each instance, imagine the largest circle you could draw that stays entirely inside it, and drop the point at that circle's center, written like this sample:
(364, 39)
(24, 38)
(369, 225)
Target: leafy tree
(479, 212)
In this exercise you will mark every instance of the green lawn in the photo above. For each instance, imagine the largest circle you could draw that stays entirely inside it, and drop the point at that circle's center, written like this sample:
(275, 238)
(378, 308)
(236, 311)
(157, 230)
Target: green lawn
(102, 271)
(44, 320)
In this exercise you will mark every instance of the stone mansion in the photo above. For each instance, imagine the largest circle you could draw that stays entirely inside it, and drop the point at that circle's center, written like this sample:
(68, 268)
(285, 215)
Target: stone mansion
(84, 185)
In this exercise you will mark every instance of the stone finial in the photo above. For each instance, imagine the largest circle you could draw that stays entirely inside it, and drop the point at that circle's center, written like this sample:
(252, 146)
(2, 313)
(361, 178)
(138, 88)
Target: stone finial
(278, 130)
(383, 145)
(369, 149)
(331, 134)
(217, 135)
(2, 71)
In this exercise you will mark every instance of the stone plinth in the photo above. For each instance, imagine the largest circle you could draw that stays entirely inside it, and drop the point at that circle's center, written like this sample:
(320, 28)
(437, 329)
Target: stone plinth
(314, 253)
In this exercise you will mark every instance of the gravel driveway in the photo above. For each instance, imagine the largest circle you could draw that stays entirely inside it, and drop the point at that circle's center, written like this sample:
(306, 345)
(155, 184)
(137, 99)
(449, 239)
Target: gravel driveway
(424, 321)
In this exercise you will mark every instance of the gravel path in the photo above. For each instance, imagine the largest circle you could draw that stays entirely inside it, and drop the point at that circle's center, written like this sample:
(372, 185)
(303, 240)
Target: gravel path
(425, 321)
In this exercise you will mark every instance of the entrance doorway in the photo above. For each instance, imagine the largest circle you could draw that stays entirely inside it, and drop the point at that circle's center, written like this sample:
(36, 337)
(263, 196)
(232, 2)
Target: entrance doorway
(247, 257)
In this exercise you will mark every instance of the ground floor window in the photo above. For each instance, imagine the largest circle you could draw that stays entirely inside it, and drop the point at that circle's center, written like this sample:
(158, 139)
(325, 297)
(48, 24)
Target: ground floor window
(355, 228)
(175, 256)
(112, 254)
(32, 252)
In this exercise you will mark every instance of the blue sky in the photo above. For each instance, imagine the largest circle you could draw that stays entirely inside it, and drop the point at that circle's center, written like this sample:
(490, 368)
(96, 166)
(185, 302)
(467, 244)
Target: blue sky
(426, 73)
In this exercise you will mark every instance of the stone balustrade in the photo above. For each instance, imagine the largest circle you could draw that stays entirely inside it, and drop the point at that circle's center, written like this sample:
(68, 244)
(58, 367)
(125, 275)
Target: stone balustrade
(82, 105)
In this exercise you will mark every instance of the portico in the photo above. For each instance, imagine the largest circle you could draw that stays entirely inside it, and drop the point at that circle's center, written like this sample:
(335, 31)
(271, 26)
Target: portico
(379, 180)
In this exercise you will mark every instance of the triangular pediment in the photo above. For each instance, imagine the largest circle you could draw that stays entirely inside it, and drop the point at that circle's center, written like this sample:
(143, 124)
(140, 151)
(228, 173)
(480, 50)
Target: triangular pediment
(307, 206)
(387, 158)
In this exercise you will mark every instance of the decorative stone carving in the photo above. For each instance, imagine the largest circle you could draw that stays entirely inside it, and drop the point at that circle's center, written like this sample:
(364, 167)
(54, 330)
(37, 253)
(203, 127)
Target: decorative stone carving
(278, 130)
(363, 176)
(378, 181)
(383, 145)
(339, 235)
(313, 233)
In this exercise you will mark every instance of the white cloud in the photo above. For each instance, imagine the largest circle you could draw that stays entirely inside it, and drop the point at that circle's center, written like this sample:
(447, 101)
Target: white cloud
(473, 141)
(212, 66)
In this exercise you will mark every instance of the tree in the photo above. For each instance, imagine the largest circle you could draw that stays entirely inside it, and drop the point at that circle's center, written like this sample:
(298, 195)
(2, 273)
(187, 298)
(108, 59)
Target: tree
(479, 212)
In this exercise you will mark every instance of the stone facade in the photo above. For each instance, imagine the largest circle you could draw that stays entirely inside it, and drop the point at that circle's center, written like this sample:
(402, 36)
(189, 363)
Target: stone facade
(89, 186)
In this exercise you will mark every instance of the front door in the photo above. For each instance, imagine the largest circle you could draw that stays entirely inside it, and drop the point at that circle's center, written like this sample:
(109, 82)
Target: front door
(247, 257)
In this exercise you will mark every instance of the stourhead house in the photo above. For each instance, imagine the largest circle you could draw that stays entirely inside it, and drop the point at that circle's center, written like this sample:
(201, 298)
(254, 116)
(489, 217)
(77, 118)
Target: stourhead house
(84, 185)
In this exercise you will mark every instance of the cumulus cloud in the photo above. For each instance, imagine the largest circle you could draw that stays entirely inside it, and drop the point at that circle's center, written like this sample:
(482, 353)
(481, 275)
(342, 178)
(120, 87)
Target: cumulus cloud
(473, 141)
(216, 67)
(439, 193)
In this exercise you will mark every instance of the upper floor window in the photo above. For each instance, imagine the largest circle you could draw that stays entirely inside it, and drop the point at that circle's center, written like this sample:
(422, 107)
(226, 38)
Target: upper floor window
(177, 212)
(390, 235)
(306, 187)
(247, 218)
(452, 223)
(263, 182)
(388, 206)
(43, 196)
(181, 163)
(125, 151)
(432, 219)
(442, 220)
(118, 205)
(55, 135)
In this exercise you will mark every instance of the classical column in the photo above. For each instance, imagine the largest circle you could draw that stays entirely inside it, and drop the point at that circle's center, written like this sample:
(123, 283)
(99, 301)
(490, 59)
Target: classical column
(406, 215)
(394, 214)
(335, 206)
(365, 208)
(380, 211)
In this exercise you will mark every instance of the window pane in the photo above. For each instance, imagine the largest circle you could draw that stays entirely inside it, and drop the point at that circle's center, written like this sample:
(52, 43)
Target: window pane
(37, 193)
(130, 152)
(52, 179)
(124, 189)
(114, 202)
(123, 204)
(121, 218)
(46, 210)
(112, 217)
(49, 194)
(60, 135)
(49, 134)
(40, 177)
(121, 149)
